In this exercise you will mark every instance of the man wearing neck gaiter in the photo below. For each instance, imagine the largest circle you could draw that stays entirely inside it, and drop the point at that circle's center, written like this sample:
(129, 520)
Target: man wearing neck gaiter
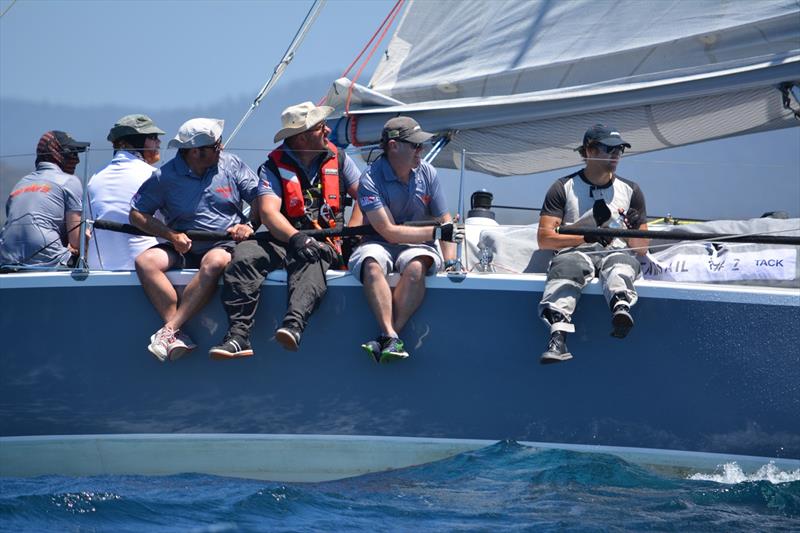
(44, 208)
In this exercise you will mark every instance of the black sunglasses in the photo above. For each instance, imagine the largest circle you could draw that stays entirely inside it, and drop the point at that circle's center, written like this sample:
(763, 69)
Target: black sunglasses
(620, 149)
(415, 146)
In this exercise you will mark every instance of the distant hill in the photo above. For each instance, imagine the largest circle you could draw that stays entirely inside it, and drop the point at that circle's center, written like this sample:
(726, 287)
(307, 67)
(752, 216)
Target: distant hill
(23, 122)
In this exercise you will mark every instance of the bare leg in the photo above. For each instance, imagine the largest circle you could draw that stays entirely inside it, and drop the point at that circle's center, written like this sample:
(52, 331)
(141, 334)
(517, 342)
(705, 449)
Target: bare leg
(410, 290)
(201, 287)
(379, 295)
(150, 267)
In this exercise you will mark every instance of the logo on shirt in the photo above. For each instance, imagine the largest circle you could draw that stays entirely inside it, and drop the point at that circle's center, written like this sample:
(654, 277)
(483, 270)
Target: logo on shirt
(426, 199)
(31, 188)
(225, 192)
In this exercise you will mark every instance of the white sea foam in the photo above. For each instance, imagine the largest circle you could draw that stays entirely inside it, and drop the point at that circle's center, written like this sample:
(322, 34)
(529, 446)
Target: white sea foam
(732, 473)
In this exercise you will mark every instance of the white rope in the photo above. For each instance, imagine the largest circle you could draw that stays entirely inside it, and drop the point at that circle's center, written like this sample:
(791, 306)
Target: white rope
(311, 17)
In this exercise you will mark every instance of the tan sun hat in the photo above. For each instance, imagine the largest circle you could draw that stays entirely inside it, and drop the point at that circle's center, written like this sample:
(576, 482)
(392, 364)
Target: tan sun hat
(301, 117)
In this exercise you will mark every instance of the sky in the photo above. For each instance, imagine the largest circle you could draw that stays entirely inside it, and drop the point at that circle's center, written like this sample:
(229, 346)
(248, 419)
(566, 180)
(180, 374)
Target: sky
(209, 58)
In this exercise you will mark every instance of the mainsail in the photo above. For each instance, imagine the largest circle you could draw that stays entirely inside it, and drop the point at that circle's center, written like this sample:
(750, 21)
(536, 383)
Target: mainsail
(519, 80)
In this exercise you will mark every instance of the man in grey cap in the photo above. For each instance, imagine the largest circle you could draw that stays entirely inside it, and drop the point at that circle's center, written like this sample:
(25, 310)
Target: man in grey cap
(303, 185)
(399, 187)
(136, 149)
(43, 211)
(594, 196)
(201, 188)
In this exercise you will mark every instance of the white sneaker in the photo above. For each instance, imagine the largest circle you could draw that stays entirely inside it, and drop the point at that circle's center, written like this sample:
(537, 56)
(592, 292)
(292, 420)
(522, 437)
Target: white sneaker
(160, 341)
(180, 346)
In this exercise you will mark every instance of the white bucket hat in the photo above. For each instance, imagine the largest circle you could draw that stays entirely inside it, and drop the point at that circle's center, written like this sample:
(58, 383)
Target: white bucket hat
(198, 132)
(301, 117)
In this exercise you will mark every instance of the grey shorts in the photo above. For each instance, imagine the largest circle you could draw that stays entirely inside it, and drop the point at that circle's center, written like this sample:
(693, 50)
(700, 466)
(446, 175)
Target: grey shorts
(393, 257)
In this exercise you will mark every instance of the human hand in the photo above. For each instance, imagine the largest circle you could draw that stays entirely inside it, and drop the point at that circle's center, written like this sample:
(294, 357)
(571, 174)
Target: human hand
(449, 232)
(603, 240)
(633, 219)
(240, 232)
(181, 242)
(304, 248)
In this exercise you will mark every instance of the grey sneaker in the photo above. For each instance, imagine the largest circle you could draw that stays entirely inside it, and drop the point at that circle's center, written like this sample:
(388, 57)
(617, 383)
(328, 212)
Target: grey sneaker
(621, 320)
(233, 347)
(288, 337)
(557, 350)
(160, 342)
(182, 345)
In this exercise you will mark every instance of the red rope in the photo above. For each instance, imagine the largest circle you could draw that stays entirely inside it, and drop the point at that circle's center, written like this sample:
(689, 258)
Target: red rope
(392, 14)
(347, 70)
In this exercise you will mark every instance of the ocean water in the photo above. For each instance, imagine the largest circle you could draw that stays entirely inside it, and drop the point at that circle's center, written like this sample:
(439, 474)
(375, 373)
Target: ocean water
(507, 487)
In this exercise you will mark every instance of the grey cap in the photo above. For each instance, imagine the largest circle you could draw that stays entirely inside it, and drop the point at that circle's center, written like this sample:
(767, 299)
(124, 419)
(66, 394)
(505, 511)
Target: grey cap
(198, 132)
(133, 125)
(404, 129)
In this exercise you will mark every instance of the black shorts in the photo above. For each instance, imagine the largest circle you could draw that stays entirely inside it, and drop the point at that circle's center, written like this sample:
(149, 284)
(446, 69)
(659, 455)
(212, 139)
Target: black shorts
(191, 259)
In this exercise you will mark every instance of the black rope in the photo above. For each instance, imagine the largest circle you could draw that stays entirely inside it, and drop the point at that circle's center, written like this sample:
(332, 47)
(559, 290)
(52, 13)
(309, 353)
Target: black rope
(679, 235)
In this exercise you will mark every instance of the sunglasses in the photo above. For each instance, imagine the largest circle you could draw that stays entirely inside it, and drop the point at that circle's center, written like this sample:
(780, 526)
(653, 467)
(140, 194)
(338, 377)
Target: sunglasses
(415, 146)
(620, 149)
(319, 127)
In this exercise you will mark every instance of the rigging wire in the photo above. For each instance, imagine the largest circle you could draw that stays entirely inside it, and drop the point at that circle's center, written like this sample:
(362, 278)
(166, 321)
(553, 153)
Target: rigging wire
(280, 68)
(9, 7)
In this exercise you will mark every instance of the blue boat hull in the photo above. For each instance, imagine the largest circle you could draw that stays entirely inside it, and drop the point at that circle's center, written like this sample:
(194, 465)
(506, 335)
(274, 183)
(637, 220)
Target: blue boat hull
(705, 370)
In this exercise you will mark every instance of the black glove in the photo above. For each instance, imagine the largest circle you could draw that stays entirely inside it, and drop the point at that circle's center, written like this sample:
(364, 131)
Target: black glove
(600, 212)
(605, 241)
(449, 232)
(633, 219)
(304, 248)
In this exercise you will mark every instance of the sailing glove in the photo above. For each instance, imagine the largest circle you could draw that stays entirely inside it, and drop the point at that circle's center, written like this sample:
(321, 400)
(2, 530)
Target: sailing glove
(449, 232)
(605, 241)
(304, 248)
(634, 219)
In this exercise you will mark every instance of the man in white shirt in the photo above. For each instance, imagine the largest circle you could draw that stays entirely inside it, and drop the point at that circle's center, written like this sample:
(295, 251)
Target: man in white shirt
(136, 149)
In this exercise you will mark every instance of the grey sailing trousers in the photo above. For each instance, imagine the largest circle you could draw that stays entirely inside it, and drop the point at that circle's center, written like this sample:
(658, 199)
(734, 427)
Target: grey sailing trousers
(571, 271)
(252, 261)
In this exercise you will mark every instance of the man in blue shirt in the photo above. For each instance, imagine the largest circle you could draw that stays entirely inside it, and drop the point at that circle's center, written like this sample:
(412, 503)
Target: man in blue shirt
(202, 188)
(43, 211)
(399, 187)
(302, 186)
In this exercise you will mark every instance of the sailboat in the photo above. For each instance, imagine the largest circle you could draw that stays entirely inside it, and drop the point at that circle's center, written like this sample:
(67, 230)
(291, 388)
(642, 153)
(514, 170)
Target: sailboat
(710, 373)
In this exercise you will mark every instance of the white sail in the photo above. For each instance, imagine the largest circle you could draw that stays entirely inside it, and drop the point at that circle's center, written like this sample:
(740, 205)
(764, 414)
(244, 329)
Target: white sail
(520, 81)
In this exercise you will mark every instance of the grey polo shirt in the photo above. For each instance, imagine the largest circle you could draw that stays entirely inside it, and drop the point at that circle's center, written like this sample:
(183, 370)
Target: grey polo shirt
(421, 199)
(35, 231)
(211, 202)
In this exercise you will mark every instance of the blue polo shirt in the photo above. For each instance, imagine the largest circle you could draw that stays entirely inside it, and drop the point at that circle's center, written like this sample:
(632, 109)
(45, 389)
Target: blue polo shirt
(211, 202)
(421, 199)
(270, 184)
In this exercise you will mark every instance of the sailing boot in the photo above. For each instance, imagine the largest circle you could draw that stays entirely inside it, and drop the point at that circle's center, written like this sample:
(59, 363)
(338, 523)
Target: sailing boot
(621, 319)
(557, 350)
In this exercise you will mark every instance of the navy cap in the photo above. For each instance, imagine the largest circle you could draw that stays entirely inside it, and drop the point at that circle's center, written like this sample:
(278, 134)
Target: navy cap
(600, 133)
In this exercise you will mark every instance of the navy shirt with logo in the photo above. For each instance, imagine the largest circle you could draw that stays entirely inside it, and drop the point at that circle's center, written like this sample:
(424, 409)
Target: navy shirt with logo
(421, 199)
(211, 202)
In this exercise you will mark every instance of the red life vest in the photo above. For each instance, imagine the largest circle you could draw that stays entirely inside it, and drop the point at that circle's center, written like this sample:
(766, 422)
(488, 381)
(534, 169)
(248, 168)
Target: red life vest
(293, 197)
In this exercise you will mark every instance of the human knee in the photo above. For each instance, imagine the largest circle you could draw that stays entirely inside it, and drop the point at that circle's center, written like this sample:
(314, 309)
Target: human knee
(622, 262)
(152, 260)
(569, 268)
(371, 269)
(415, 270)
(214, 262)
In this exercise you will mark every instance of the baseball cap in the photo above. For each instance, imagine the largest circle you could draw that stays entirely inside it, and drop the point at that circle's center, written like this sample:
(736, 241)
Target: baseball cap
(404, 129)
(600, 133)
(198, 132)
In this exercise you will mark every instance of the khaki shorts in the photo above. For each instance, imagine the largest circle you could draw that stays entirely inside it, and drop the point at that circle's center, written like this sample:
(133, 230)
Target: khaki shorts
(393, 257)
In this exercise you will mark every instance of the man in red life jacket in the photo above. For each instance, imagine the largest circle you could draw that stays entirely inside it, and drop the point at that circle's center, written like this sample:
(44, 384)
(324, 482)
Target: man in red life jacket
(302, 185)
